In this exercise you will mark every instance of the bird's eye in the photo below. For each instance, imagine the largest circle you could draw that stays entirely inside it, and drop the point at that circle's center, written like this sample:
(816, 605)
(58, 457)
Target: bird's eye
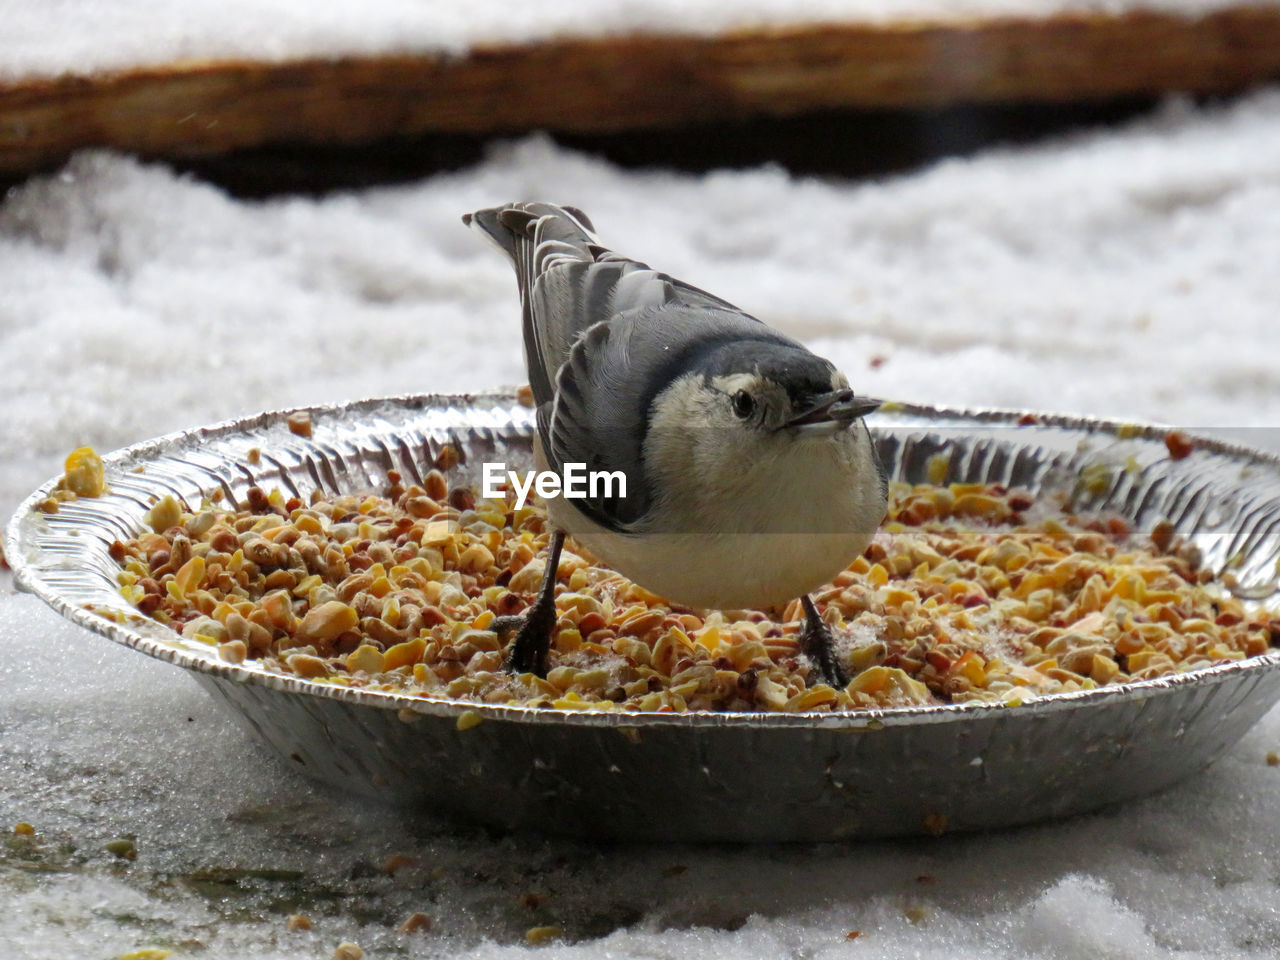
(743, 404)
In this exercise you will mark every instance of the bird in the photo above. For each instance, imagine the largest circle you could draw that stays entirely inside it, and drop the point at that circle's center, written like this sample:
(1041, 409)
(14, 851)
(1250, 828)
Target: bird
(751, 477)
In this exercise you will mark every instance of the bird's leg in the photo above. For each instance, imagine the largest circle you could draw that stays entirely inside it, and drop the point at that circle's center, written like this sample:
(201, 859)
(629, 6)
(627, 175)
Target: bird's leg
(533, 641)
(816, 641)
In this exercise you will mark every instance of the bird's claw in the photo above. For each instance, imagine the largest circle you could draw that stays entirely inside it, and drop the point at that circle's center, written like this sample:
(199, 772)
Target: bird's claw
(535, 626)
(817, 642)
(532, 643)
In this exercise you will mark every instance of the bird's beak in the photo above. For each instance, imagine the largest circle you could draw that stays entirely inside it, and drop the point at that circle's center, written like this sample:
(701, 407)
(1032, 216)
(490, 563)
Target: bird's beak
(831, 412)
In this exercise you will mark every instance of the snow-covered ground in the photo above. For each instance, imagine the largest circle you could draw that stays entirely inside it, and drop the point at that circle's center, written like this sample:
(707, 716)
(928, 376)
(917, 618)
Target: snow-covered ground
(1126, 272)
(53, 37)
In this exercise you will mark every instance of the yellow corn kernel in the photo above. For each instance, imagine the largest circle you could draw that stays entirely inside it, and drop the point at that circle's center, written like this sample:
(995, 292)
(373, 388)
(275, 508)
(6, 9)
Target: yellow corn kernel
(569, 640)
(742, 654)
(709, 638)
(1039, 604)
(868, 655)
(872, 680)
(475, 559)
(981, 506)
(190, 576)
(403, 654)
(326, 621)
(84, 474)
(896, 597)
(810, 698)
(1147, 658)
(972, 668)
(307, 666)
(1103, 670)
(164, 514)
(367, 658)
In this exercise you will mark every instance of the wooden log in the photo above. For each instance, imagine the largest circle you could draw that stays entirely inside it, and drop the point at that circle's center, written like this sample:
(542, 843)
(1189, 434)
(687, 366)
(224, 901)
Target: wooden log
(597, 85)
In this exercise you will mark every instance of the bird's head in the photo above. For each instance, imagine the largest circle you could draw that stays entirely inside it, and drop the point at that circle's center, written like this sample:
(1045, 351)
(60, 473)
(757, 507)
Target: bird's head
(759, 391)
(759, 430)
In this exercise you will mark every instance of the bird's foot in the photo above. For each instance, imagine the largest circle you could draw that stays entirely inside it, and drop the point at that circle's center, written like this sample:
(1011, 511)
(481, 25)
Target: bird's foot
(535, 626)
(819, 645)
(533, 630)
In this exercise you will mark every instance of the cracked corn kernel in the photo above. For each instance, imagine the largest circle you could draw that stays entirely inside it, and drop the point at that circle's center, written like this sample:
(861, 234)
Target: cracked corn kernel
(298, 921)
(84, 474)
(404, 654)
(299, 423)
(190, 576)
(306, 666)
(367, 658)
(327, 621)
(233, 651)
(348, 951)
(164, 514)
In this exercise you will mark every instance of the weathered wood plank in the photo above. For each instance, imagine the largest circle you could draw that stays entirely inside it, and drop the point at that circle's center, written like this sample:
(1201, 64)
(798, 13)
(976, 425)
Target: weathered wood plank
(611, 84)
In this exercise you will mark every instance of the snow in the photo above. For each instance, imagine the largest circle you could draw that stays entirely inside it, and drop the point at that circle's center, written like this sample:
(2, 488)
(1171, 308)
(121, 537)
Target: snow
(54, 37)
(1126, 272)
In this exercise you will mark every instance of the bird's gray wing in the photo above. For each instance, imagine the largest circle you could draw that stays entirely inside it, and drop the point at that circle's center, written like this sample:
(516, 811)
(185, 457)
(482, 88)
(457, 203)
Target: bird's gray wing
(605, 392)
(603, 335)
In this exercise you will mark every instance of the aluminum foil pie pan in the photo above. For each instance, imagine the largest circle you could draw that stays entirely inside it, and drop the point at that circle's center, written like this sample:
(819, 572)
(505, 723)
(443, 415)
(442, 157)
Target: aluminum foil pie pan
(701, 776)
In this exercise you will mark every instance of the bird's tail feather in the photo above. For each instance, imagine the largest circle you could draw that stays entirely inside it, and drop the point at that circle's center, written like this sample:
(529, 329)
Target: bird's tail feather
(532, 234)
(538, 237)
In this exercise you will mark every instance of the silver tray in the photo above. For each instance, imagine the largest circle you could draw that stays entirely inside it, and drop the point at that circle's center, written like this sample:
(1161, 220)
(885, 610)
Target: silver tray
(702, 776)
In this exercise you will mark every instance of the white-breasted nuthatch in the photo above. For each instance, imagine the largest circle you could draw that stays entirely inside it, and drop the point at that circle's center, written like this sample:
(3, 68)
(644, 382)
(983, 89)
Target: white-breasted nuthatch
(751, 477)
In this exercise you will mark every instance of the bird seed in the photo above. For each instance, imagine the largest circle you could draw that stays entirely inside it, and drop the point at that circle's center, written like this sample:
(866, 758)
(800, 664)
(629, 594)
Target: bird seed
(968, 592)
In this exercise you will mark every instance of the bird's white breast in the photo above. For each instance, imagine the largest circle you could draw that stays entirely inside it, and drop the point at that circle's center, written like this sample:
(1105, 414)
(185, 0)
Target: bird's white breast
(743, 534)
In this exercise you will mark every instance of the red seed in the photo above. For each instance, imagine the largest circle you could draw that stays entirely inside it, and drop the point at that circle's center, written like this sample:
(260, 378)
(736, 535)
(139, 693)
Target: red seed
(1118, 527)
(1020, 502)
(1179, 444)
